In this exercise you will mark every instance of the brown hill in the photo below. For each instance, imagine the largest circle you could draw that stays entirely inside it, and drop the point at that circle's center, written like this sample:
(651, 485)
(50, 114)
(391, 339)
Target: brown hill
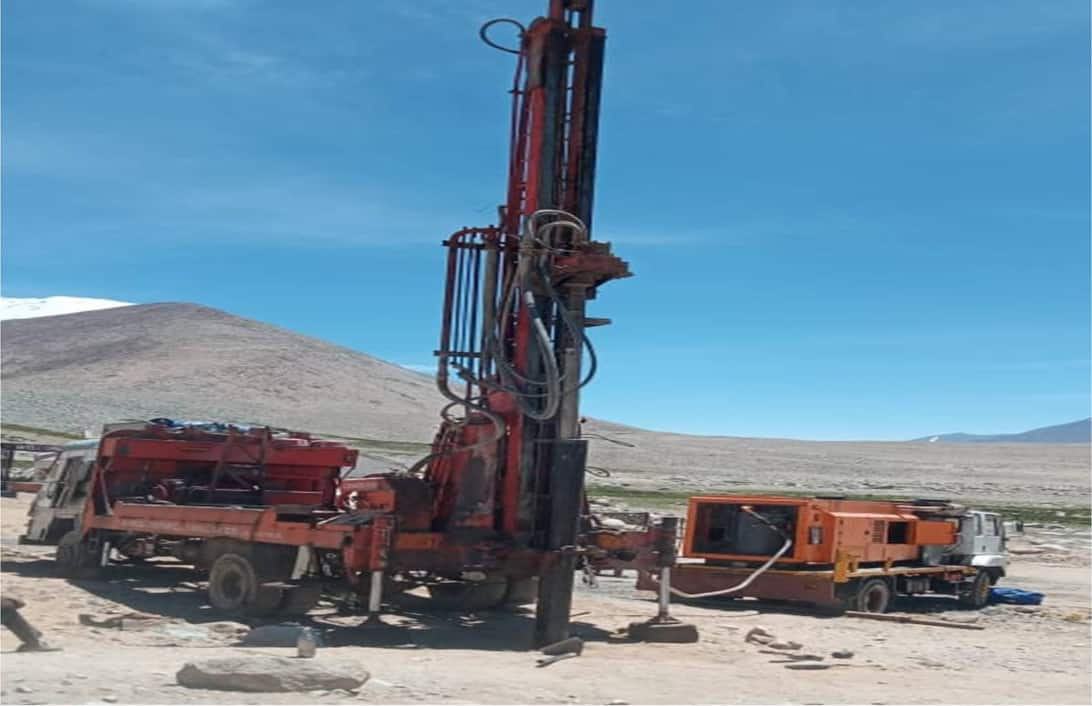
(181, 360)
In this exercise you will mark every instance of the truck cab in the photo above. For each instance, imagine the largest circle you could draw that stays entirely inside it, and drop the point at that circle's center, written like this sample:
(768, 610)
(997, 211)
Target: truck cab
(981, 543)
(59, 503)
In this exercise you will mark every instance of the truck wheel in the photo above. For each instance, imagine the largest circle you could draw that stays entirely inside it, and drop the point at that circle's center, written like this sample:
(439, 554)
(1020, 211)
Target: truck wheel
(77, 558)
(300, 599)
(467, 596)
(874, 596)
(234, 588)
(978, 594)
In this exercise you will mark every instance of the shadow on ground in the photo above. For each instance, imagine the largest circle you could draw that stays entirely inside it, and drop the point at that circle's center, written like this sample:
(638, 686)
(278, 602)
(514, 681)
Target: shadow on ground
(176, 591)
(916, 605)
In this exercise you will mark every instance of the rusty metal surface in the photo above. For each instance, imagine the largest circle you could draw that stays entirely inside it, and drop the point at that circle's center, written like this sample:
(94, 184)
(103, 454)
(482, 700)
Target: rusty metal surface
(809, 587)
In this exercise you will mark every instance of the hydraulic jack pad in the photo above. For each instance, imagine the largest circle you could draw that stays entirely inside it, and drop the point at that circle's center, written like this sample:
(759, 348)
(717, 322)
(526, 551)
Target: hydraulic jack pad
(663, 630)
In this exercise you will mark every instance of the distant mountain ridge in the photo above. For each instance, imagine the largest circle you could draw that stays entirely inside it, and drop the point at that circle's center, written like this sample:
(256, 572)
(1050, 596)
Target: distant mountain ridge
(1076, 432)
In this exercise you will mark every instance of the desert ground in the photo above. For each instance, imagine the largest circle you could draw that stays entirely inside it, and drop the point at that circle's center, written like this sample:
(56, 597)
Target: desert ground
(1022, 654)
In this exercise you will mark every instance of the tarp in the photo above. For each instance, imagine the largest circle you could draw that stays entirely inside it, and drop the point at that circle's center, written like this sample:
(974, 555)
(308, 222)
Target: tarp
(1015, 595)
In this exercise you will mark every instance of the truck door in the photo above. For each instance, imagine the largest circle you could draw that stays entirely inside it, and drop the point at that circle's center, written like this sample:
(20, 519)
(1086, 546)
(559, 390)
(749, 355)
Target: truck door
(978, 544)
(989, 541)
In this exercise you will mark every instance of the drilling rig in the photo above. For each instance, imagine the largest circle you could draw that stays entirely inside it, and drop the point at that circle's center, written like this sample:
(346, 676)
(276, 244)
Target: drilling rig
(496, 513)
(514, 326)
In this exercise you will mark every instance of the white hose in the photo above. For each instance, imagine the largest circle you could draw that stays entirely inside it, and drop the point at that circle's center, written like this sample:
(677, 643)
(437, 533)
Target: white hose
(742, 585)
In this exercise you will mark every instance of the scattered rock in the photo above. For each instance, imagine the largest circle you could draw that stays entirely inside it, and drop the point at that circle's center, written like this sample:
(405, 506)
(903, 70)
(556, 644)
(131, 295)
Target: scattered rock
(226, 627)
(283, 635)
(760, 635)
(1026, 609)
(267, 673)
(842, 654)
(110, 699)
(617, 702)
(961, 618)
(127, 621)
(572, 644)
(23, 689)
(787, 645)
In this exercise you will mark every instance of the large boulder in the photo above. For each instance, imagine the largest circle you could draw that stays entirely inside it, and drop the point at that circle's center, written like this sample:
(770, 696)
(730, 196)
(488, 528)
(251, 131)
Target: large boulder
(267, 673)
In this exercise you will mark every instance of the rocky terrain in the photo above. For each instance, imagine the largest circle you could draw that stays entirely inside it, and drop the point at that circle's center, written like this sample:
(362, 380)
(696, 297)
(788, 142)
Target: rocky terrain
(142, 625)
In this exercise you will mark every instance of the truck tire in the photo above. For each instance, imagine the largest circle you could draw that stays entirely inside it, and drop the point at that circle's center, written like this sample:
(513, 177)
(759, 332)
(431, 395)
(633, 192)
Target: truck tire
(467, 596)
(77, 557)
(234, 588)
(977, 595)
(873, 596)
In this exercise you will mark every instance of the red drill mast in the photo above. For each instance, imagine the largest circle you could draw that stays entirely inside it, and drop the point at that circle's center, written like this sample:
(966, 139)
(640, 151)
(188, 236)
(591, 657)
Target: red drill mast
(513, 329)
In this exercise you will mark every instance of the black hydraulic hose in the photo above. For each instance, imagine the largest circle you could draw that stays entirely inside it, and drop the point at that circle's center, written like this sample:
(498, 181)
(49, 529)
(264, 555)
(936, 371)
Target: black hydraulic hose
(574, 331)
(483, 32)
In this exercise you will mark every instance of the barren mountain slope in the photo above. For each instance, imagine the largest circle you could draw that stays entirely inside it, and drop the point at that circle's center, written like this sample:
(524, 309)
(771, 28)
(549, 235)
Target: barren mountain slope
(181, 360)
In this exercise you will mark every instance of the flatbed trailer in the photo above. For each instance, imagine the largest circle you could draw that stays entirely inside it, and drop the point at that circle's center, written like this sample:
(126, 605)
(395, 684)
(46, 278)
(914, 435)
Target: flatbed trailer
(270, 519)
(869, 589)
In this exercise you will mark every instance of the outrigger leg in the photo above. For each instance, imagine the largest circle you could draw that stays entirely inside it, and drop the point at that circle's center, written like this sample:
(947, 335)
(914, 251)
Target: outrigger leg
(664, 628)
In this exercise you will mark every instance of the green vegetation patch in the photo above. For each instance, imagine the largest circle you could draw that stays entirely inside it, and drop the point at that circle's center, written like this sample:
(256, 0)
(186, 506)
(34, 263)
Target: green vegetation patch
(407, 447)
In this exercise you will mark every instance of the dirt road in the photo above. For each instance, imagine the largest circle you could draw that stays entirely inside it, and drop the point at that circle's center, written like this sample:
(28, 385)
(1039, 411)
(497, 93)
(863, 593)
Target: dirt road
(1026, 655)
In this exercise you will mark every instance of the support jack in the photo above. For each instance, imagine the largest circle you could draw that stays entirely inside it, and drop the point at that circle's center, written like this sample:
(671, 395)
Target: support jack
(664, 628)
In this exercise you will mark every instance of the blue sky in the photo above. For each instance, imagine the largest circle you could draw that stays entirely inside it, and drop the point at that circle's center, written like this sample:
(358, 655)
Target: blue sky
(847, 220)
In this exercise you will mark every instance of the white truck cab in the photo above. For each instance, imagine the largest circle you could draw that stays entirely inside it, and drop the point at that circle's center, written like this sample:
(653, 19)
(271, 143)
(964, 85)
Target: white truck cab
(59, 502)
(982, 543)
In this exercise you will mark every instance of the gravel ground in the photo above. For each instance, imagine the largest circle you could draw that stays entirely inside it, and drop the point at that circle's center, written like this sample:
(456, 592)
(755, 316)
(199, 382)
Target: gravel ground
(1023, 655)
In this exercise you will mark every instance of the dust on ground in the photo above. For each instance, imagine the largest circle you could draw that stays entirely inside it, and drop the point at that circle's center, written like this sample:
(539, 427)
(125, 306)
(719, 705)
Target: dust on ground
(1023, 654)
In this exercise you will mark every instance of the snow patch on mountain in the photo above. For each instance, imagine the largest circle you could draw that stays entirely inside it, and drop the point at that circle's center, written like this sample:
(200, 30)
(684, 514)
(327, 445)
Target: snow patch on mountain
(29, 308)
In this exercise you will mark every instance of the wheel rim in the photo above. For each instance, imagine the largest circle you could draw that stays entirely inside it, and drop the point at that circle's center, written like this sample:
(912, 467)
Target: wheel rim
(874, 600)
(231, 587)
